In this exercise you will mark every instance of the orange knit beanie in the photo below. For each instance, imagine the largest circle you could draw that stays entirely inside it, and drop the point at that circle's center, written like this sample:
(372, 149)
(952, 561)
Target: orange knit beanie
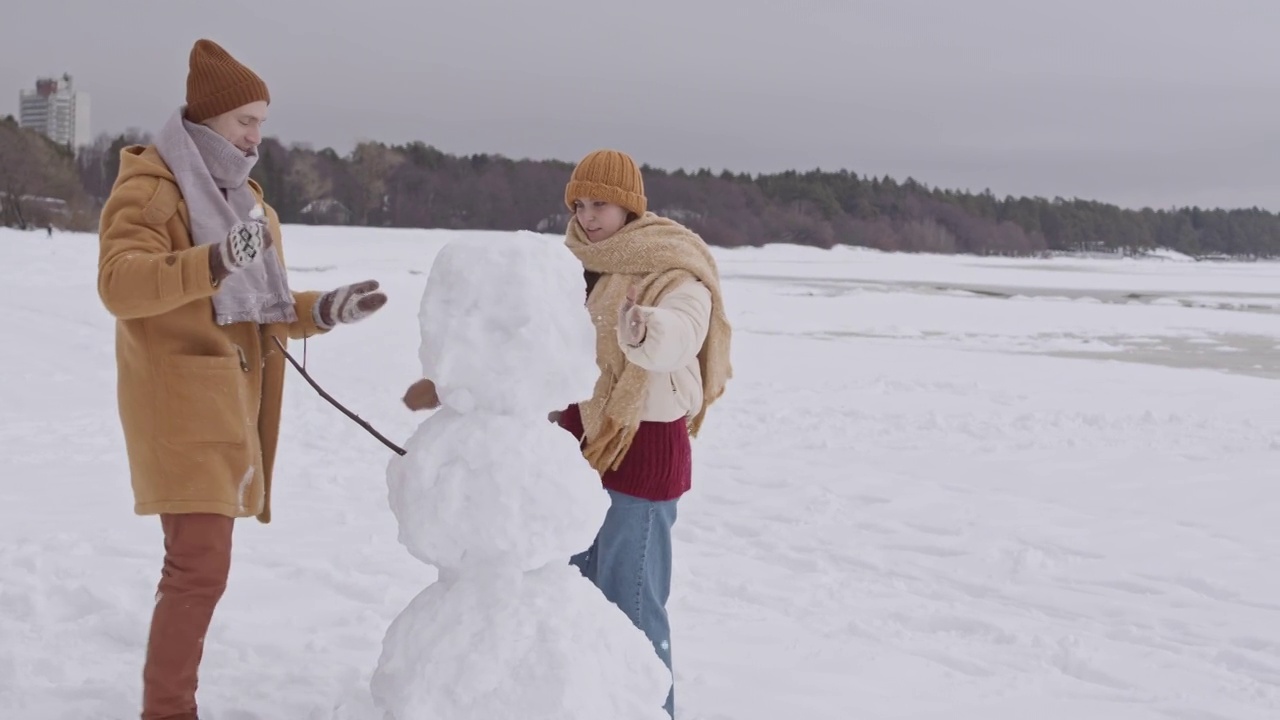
(608, 175)
(218, 83)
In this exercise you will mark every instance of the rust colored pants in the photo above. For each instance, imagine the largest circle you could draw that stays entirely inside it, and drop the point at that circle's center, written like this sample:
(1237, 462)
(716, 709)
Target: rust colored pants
(197, 560)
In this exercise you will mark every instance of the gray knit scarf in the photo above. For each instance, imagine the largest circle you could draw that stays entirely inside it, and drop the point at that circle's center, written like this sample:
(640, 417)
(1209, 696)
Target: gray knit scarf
(203, 162)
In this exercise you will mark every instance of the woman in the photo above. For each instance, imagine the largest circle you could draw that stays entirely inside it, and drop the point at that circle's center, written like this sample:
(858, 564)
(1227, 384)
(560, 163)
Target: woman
(662, 346)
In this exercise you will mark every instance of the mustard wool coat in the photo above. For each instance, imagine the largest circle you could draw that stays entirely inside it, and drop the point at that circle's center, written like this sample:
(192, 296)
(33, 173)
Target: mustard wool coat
(199, 403)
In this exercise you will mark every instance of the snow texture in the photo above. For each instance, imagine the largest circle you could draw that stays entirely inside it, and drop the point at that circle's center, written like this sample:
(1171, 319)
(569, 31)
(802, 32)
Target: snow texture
(478, 489)
(505, 328)
(941, 487)
(498, 498)
(542, 645)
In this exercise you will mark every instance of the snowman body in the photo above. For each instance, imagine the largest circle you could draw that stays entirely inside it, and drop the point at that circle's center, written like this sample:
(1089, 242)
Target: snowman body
(498, 498)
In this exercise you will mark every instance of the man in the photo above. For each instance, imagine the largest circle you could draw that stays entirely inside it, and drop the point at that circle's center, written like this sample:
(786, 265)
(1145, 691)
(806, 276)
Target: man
(192, 268)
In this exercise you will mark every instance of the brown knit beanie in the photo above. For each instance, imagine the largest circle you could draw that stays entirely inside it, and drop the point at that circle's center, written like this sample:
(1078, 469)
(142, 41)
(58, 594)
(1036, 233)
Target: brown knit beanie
(217, 83)
(608, 175)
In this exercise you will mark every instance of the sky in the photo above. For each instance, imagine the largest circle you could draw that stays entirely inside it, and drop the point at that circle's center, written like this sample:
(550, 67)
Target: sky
(1135, 102)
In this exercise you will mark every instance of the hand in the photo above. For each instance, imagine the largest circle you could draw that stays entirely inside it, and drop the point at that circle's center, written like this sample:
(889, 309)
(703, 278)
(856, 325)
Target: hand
(554, 416)
(349, 304)
(422, 396)
(244, 246)
(632, 325)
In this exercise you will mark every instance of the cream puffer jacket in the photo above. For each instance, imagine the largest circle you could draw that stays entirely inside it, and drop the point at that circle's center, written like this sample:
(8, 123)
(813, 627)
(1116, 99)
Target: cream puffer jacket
(675, 330)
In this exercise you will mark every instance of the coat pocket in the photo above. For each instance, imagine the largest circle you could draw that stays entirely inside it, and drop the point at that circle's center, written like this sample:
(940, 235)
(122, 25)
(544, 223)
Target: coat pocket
(203, 401)
(687, 386)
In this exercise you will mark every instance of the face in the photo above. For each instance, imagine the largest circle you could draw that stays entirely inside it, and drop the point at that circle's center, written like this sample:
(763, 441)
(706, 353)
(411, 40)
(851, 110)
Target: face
(598, 218)
(242, 127)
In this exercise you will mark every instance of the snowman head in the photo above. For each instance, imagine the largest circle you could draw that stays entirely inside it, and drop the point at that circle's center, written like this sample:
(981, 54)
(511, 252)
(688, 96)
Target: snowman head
(504, 327)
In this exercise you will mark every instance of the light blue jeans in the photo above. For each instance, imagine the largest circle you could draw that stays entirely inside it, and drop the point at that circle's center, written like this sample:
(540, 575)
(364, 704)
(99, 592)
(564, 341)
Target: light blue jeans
(630, 561)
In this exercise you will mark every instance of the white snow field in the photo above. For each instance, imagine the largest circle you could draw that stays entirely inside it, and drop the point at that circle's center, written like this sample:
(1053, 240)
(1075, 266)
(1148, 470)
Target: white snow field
(938, 487)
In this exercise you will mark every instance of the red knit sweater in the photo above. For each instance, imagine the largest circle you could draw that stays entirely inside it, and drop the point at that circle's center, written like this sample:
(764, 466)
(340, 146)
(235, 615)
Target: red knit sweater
(659, 464)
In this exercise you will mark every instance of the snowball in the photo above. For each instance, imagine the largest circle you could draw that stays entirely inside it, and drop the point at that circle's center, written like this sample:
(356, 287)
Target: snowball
(475, 489)
(537, 646)
(505, 326)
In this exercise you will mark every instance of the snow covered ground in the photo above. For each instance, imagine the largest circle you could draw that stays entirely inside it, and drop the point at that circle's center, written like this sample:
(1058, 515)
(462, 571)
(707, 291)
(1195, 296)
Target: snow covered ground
(939, 487)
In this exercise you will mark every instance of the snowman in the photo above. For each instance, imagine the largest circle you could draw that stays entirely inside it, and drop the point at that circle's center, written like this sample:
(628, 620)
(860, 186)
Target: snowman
(498, 498)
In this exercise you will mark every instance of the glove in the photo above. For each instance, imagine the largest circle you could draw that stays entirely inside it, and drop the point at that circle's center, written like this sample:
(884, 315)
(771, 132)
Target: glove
(348, 304)
(245, 245)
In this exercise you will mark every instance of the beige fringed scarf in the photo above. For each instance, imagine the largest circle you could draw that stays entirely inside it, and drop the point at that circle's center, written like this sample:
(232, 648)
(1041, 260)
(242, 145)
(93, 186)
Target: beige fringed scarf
(659, 254)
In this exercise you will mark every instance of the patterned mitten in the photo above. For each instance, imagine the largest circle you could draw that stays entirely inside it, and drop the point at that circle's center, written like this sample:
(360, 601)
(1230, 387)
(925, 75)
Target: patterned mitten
(244, 245)
(348, 304)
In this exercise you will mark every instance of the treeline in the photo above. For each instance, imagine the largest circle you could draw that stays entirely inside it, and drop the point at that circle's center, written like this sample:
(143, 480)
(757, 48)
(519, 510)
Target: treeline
(39, 185)
(416, 185)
